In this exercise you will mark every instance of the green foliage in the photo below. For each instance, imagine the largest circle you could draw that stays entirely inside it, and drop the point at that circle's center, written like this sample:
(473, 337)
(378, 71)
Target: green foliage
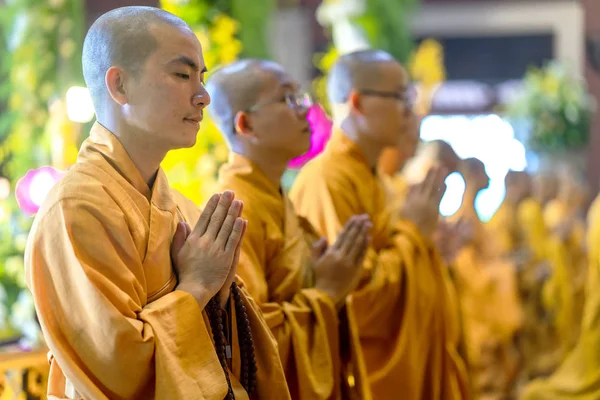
(254, 21)
(558, 108)
(386, 23)
(40, 58)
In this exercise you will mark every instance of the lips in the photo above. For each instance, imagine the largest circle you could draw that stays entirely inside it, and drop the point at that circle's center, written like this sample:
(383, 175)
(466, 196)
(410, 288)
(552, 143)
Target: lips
(195, 119)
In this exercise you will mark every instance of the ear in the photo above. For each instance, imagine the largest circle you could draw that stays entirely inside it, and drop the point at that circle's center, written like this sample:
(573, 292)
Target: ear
(243, 125)
(355, 102)
(115, 83)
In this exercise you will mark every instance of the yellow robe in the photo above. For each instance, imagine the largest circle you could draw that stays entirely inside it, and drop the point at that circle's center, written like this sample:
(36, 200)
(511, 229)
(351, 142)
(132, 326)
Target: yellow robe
(578, 377)
(396, 188)
(409, 339)
(98, 264)
(275, 264)
(487, 287)
(504, 228)
(530, 215)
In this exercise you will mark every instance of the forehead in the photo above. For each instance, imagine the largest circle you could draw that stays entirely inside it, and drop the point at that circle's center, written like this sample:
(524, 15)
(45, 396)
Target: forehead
(392, 74)
(277, 81)
(175, 42)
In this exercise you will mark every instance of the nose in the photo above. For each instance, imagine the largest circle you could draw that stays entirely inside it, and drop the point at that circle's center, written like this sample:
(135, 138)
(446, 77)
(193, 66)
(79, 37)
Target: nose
(202, 98)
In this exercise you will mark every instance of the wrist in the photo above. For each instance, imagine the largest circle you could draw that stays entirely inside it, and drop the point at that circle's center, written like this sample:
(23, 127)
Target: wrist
(332, 294)
(201, 295)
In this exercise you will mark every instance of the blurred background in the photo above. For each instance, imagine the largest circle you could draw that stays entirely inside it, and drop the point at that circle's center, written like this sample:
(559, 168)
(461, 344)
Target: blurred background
(511, 82)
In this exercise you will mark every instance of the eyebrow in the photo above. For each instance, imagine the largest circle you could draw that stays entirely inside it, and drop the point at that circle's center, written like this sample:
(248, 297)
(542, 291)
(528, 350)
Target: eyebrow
(189, 62)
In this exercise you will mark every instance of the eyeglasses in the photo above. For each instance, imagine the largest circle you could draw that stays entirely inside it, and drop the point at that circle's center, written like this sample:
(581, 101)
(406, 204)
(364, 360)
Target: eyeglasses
(299, 100)
(400, 96)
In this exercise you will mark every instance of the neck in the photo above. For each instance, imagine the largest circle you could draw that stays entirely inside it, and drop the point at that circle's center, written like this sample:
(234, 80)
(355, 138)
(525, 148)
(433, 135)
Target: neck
(271, 165)
(145, 154)
(371, 150)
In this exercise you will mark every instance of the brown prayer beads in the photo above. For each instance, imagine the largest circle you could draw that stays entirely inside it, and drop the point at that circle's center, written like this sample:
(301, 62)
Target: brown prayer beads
(247, 355)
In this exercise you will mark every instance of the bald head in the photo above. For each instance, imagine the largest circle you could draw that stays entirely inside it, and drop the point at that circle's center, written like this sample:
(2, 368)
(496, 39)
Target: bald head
(236, 88)
(122, 37)
(357, 70)
(473, 170)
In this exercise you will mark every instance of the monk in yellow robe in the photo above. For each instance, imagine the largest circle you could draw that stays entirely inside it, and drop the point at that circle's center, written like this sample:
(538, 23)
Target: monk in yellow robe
(407, 337)
(393, 159)
(488, 291)
(130, 298)
(578, 377)
(262, 115)
(504, 224)
(564, 292)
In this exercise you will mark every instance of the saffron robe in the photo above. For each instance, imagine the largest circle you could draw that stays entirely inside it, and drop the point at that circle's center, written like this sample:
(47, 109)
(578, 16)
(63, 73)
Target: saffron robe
(406, 327)
(99, 267)
(578, 377)
(275, 263)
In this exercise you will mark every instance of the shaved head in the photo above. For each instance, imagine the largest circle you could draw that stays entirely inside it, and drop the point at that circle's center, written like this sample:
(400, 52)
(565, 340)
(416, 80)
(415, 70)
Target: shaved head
(471, 166)
(122, 37)
(237, 87)
(357, 70)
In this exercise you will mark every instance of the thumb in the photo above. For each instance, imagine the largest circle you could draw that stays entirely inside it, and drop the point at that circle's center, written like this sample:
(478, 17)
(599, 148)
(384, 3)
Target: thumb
(179, 238)
(318, 248)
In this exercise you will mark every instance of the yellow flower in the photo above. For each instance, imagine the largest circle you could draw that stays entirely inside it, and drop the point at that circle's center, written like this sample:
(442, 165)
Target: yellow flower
(427, 63)
(230, 51)
(204, 39)
(328, 59)
(225, 25)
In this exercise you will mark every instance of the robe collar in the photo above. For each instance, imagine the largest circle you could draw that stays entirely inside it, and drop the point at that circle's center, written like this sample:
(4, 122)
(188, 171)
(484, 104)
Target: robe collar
(103, 145)
(342, 144)
(244, 167)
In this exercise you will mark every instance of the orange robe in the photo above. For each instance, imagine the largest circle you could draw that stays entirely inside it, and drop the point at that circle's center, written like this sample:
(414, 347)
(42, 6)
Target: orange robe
(504, 228)
(275, 263)
(405, 323)
(578, 377)
(98, 264)
(488, 291)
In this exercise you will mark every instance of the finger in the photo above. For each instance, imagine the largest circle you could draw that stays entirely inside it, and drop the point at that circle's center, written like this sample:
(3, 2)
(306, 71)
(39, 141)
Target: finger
(178, 239)
(429, 182)
(227, 225)
(342, 236)
(219, 215)
(352, 238)
(188, 229)
(364, 248)
(360, 244)
(236, 255)
(235, 238)
(206, 215)
(318, 248)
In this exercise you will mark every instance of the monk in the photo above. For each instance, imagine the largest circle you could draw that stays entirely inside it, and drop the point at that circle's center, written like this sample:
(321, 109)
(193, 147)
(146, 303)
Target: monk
(504, 224)
(578, 376)
(298, 282)
(129, 296)
(487, 288)
(564, 292)
(406, 334)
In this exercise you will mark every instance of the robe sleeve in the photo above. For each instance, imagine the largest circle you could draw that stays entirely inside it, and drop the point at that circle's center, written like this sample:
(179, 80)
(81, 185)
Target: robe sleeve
(305, 327)
(87, 281)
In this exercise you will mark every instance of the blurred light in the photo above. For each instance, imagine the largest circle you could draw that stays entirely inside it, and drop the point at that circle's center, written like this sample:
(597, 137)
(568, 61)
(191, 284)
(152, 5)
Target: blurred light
(4, 188)
(452, 200)
(486, 137)
(33, 188)
(79, 105)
